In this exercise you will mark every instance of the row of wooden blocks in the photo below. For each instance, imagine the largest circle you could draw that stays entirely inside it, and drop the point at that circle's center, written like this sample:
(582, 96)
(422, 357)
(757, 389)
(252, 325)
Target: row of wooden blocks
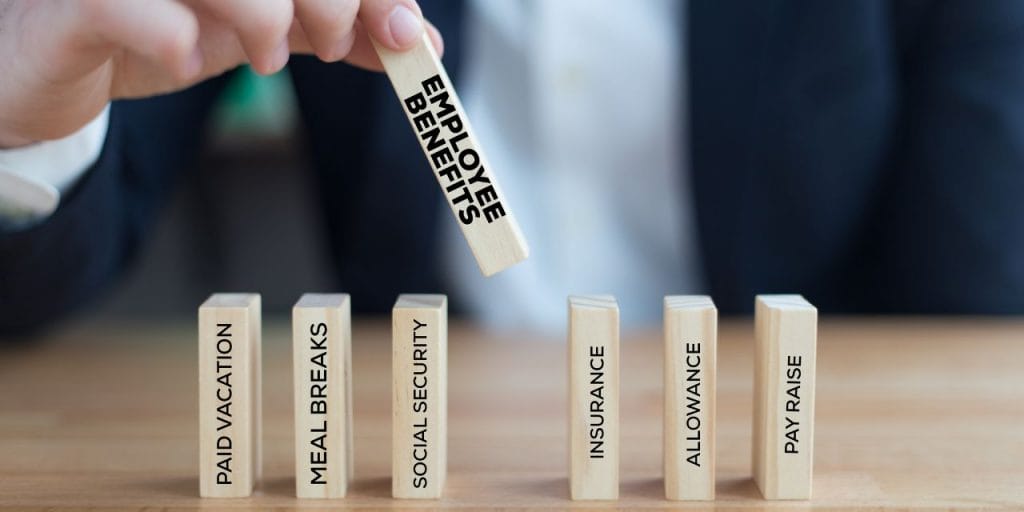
(230, 396)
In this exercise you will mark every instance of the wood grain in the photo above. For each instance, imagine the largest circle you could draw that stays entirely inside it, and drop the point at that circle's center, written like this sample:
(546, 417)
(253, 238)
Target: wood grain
(322, 375)
(419, 388)
(785, 339)
(594, 434)
(462, 170)
(917, 413)
(691, 338)
(230, 395)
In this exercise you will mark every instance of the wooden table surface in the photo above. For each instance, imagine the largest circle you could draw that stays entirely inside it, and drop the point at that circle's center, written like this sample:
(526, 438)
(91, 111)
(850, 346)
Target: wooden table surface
(911, 413)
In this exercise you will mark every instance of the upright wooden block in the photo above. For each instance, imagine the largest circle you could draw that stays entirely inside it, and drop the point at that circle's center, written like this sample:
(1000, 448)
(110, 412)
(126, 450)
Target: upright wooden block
(465, 176)
(691, 341)
(593, 397)
(419, 372)
(230, 395)
(322, 360)
(783, 448)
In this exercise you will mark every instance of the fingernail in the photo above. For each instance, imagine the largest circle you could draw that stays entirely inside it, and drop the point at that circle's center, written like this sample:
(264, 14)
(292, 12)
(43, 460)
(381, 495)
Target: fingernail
(280, 57)
(406, 27)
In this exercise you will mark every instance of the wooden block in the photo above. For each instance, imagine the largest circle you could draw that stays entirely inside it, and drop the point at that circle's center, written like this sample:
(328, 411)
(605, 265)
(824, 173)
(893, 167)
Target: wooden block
(784, 361)
(466, 177)
(322, 361)
(593, 397)
(230, 396)
(419, 372)
(691, 341)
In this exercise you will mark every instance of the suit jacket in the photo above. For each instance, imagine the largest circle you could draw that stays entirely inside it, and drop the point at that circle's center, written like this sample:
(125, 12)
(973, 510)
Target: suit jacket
(868, 154)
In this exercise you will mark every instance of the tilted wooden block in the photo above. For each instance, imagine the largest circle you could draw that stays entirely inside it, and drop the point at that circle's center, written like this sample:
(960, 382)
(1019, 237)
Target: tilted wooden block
(419, 366)
(691, 341)
(230, 396)
(466, 177)
(593, 397)
(784, 361)
(322, 361)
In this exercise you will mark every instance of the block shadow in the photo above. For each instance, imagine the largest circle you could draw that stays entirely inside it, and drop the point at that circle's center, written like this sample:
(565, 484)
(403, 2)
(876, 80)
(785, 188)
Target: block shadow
(739, 488)
(552, 488)
(731, 489)
(283, 486)
(377, 487)
(644, 488)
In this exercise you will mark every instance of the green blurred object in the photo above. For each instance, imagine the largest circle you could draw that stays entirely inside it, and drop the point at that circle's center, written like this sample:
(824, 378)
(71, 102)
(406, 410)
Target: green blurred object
(255, 107)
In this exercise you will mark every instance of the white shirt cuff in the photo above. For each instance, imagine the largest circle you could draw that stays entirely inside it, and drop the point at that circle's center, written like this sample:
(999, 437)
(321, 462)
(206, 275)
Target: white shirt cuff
(32, 178)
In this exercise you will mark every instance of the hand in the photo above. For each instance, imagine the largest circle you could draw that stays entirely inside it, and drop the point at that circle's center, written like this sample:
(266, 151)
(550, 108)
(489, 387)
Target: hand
(62, 61)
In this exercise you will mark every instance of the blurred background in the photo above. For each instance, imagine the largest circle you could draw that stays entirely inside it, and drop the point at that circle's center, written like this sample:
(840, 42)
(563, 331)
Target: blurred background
(868, 155)
(266, 237)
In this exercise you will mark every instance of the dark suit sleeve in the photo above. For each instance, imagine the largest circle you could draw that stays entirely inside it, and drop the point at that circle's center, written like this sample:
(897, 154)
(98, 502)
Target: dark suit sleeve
(49, 270)
(953, 217)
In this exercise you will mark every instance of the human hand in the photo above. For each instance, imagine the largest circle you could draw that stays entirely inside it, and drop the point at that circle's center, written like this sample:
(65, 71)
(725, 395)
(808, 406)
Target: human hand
(62, 61)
